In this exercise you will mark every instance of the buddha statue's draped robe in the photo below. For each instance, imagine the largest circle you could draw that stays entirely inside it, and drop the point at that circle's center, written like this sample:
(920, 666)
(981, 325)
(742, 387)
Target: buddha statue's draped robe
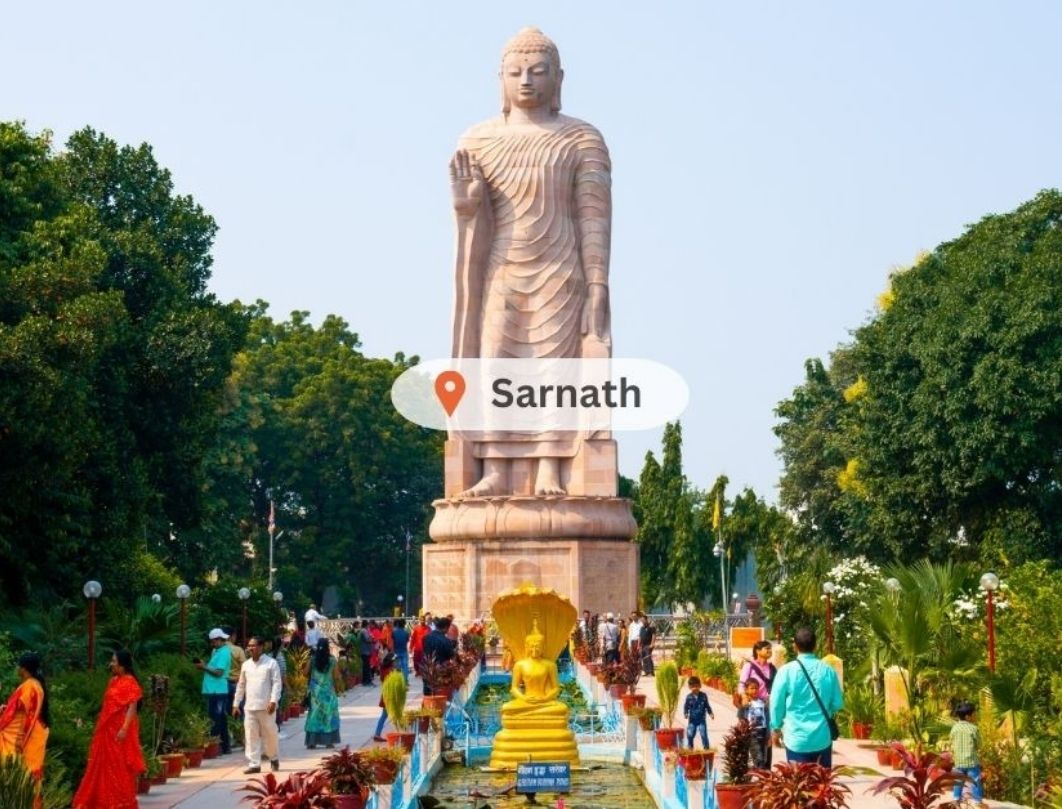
(525, 261)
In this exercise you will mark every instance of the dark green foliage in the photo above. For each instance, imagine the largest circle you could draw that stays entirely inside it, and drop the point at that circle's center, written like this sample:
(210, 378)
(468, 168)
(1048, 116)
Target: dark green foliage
(311, 426)
(956, 417)
(112, 357)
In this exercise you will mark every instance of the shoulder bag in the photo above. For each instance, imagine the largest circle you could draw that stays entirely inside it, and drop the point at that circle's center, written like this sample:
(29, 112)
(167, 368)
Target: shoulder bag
(835, 731)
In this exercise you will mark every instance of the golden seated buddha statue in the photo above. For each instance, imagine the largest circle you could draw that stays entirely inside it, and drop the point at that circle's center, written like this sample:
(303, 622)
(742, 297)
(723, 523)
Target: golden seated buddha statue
(534, 721)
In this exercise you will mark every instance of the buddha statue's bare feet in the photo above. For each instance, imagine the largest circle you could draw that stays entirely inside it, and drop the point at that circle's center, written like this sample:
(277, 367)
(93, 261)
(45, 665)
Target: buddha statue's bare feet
(547, 481)
(488, 486)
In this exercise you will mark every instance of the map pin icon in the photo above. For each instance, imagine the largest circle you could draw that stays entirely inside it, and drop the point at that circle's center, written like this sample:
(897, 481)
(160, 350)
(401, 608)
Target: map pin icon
(449, 387)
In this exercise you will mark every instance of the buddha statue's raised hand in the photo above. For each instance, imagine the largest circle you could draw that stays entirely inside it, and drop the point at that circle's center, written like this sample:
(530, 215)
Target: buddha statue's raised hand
(466, 183)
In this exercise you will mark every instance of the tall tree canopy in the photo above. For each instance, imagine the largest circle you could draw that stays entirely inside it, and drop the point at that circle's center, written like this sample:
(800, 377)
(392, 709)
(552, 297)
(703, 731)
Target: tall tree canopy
(112, 359)
(939, 428)
(309, 424)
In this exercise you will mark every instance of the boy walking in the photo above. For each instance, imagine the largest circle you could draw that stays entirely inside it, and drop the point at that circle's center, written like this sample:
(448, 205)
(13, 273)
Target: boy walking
(696, 710)
(965, 749)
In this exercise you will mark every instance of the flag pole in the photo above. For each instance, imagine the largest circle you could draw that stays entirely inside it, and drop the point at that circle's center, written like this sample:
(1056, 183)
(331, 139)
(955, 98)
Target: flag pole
(272, 530)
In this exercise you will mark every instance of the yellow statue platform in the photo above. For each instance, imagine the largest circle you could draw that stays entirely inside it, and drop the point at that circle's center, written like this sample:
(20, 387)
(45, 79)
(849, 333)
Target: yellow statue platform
(536, 625)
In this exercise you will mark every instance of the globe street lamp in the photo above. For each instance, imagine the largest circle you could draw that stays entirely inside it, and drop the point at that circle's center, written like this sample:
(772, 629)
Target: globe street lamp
(990, 583)
(828, 588)
(244, 594)
(183, 591)
(92, 591)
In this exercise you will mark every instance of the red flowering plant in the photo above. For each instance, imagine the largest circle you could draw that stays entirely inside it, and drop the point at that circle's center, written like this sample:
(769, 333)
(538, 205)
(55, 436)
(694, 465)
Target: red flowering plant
(795, 785)
(301, 790)
(927, 778)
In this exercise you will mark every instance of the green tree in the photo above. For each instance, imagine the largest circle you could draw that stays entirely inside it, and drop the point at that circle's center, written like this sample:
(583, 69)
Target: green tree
(312, 428)
(112, 357)
(939, 428)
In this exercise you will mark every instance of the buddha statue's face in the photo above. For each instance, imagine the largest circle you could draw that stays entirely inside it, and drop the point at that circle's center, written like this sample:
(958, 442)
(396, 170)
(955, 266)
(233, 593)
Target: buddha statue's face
(534, 647)
(529, 79)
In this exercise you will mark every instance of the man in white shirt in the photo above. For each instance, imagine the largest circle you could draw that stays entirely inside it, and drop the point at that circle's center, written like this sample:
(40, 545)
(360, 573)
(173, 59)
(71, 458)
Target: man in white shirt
(313, 615)
(313, 634)
(634, 629)
(259, 690)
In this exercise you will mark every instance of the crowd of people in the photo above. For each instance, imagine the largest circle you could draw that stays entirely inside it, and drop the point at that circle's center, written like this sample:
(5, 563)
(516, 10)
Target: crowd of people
(621, 638)
(792, 707)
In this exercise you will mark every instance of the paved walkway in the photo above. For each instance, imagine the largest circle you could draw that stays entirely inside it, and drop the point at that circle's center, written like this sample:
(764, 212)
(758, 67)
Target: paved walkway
(846, 752)
(213, 785)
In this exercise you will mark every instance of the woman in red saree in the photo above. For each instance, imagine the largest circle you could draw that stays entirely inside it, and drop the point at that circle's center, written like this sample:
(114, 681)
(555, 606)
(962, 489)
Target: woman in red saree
(24, 719)
(115, 759)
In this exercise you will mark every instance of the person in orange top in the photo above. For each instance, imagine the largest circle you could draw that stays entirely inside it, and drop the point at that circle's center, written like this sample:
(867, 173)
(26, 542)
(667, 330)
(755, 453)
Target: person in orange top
(24, 720)
(386, 637)
(416, 641)
(115, 758)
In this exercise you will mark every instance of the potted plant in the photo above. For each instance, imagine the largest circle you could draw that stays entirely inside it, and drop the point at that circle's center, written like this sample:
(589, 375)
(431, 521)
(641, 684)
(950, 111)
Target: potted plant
(667, 694)
(442, 677)
(648, 718)
(861, 704)
(384, 762)
(928, 778)
(296, 680)
(350, 777)
(623, 676)
(797, 785)
(156, 770)
(301, 790)
(212, 748)
(696, 763)
(192, 735)
(393, 692)
(736, 746)
(423, 718)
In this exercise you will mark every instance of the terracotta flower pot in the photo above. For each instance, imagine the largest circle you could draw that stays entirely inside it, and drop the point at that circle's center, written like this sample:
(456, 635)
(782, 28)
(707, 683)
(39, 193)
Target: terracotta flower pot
(435, 702)
(423, 724)
(351, 801)
(861, 730)
(159, 780)
(696, 764)
(632, 701)
(884, 755)
(668, 738)
(731, 796)
(174, 763)
(143, 785)
(686, 671)
(193, 758)
(212, 750)
(385, 771)
(647, 723)
(617, 690)
(403, 740)
(897, 759)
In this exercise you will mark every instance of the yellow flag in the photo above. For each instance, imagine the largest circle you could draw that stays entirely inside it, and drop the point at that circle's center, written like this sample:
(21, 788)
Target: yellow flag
(717, 514)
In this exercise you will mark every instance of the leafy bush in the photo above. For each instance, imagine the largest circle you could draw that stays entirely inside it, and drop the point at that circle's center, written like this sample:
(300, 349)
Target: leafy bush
(393, 694)
(667, 690)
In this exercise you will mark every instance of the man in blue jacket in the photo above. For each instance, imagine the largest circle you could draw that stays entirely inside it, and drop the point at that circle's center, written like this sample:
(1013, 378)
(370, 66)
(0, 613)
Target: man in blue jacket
(796, 716)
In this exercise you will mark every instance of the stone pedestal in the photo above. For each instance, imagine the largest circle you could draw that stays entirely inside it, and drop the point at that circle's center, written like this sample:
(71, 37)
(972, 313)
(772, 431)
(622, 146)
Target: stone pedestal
(463, 577)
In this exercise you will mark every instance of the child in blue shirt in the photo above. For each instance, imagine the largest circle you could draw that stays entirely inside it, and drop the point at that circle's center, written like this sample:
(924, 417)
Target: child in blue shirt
(696, 710)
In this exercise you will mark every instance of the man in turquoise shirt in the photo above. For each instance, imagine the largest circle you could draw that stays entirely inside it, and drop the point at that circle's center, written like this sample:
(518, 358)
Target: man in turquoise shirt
(796, 717)
(216, 686)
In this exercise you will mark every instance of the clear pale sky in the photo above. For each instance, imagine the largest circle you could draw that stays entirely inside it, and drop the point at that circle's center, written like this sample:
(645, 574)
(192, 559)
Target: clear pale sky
(772, 161)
